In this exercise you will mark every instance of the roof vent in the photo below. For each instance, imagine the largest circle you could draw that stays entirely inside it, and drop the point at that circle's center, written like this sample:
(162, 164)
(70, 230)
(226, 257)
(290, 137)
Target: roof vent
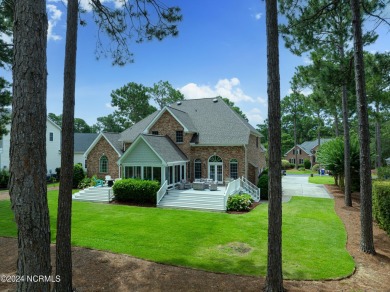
(178, 103)
(215, 100)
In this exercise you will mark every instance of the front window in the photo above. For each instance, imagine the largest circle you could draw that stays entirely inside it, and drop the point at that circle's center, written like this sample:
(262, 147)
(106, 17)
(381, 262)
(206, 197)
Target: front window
(103, 164)
(179, 137)
(198, 168)
(51, 136)
(234, 168)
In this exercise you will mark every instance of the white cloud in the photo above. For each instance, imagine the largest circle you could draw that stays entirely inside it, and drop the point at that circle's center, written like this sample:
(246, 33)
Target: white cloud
(262, 100)
(258, 15)
(229, 88)
(54, 15)
(305, 91)
(255, 116)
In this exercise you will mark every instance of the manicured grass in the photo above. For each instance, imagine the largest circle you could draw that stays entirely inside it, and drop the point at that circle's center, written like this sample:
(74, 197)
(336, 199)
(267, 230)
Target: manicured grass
(296, 171)
(313, 236)
(322, 180)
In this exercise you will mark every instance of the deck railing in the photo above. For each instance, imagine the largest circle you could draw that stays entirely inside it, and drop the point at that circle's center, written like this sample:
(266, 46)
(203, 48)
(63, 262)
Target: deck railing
(161, 192)
(232, 188)
(252, 189)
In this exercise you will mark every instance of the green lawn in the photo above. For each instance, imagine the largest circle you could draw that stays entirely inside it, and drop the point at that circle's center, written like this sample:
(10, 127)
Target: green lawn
(313, 236)
(296, 171)
(322, 180)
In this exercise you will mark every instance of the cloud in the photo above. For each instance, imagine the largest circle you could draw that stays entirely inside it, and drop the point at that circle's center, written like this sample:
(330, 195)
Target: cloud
(255, 116)
(258, 16)
(54, 15)
(229, 88)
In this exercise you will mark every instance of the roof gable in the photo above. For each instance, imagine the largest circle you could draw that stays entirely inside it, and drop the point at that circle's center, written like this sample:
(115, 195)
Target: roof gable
(111, 138)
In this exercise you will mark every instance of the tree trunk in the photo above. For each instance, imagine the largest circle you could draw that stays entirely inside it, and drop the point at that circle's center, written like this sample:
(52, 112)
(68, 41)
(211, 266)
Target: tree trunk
(347, 143)
(295, 142)
(28, 144)
(63, 250)
(274, 280)
(378, 137)
(336, 122)
(367, 238)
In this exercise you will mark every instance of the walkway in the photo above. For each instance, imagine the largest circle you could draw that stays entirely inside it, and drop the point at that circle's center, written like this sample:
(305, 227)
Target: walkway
(298, 185)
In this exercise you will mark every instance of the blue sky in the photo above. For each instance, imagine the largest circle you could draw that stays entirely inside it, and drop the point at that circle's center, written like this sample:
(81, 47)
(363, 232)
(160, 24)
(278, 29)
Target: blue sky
(220, 50)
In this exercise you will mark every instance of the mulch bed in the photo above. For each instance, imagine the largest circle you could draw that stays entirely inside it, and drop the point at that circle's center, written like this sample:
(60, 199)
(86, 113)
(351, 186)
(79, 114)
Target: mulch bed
(105, 271)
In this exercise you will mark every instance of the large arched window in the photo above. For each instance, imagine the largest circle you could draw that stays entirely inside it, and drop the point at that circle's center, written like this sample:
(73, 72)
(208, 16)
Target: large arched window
(198, 168)
(233, 168)
(215, 158)
(103, 164)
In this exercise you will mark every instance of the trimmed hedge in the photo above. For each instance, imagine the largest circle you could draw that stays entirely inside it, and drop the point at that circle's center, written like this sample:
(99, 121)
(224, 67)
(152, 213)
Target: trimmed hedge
(381, 204)
(4, 178)
(262, 184)
(384, 172)
(136, 190)
(239, 202)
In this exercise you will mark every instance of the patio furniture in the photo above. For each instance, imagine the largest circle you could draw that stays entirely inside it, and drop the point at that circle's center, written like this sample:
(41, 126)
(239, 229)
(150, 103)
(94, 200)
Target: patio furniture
(198, 186)
(213, 186)
(109, 181)
(98, 182)
(186, 184)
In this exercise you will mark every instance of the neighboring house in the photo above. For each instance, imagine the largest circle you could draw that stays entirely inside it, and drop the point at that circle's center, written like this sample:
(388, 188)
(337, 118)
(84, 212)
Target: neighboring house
(200, 138)
(53, 146)
(82, 141)
(306, 150)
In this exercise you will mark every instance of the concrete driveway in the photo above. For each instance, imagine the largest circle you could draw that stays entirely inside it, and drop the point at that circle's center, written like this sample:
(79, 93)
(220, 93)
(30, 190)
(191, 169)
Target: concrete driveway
(298, 185)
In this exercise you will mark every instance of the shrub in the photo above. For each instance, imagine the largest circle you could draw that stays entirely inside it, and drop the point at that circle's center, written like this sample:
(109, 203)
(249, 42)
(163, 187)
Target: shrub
(4, 178)
(78, 174)
(292, 165)
(301, 168)
(307, 163)
(381, 204)
(285, 164)
(262, 184)
(136, 190)
(384, 172)
(316, 167)
(84, 183)
(239, 202)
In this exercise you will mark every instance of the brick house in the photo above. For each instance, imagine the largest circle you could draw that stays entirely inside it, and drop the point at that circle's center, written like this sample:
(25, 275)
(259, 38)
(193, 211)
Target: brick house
(200, 138)
(306, 150)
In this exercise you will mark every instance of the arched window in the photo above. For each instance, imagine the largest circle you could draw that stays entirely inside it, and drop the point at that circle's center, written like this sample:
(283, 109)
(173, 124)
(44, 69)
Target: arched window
(103, 164)
(233, 168)
(198, 168)
(215, 158)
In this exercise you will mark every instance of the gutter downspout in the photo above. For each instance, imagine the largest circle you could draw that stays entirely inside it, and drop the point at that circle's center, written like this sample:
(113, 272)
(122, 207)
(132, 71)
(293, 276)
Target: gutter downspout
(246, 161)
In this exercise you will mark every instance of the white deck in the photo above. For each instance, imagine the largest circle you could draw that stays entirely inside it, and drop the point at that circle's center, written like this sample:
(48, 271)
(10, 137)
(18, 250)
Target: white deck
(195, 199)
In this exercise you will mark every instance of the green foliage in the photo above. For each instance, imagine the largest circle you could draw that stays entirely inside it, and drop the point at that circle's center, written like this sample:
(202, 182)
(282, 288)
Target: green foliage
(110, 123)
(136, 190)
(5, 102)
(315, 167)
(285, 164)
(384, 172)
(85, 183)
(307, 163)
(262, 184)
(164, 94)
(78, 175)
(381, 204)
(331, 155)
(4, 178)
(239, 202)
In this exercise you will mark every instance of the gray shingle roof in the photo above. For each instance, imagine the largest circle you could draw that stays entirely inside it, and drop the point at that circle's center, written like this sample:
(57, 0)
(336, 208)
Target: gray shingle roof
(113, 138)
(164, 146)
(307, 146)
(132, 133)
(216, 122)
(82, 141)
(184, 118)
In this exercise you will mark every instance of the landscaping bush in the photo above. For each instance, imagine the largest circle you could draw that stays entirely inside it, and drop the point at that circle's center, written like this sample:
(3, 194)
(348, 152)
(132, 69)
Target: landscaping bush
(262, 184)
(85, 183)
(136, 190)
(4, 178)
(315, 167)
(292, 165)
(239, 202)
(307, 163)
(384, 172)
(78, 174)
(301, 168)
(285, 164)
(381, 204)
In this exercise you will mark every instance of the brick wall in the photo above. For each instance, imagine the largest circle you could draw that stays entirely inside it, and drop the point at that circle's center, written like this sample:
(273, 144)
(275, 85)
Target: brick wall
(303, 155)
(102, 148)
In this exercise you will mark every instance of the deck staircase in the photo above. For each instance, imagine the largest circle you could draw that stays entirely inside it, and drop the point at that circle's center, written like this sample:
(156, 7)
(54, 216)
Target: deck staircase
(94, 194)
(208, 200)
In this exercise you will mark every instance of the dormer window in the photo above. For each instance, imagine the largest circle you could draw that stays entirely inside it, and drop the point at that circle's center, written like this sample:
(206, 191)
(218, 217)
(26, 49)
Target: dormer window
(179, 137)
(154, 132)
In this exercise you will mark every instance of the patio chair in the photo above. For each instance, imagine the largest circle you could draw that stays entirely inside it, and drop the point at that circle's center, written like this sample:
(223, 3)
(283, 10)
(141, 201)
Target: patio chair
(98, 182)
(213, 186)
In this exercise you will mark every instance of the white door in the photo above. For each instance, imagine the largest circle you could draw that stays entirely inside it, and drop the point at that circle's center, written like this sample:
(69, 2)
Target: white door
(216, 171)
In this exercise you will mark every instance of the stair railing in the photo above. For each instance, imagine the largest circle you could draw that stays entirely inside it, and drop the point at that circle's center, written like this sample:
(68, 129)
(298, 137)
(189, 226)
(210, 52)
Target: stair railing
(161, 192)
(252, 189)
(232, 188)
